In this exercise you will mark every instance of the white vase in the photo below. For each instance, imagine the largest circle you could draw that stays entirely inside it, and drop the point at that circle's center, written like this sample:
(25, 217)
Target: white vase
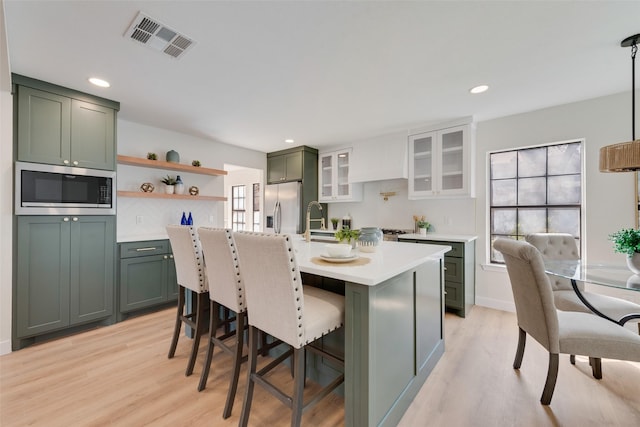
(179, 188)
(633, 262)
(423, 231)
(169, 189)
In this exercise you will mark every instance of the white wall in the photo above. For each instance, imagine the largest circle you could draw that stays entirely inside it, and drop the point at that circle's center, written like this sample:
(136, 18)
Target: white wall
(137, 140)
(609, 201)
(6, 193)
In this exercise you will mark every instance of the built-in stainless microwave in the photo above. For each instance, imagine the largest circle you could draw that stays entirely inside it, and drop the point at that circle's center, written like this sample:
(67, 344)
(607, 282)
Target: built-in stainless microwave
(42, 189)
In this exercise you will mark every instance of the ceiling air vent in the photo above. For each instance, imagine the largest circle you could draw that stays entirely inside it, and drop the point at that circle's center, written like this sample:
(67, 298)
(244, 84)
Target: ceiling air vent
(154, 34)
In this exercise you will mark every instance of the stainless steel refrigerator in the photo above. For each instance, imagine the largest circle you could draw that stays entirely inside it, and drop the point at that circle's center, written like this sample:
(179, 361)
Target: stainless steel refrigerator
(283, 205)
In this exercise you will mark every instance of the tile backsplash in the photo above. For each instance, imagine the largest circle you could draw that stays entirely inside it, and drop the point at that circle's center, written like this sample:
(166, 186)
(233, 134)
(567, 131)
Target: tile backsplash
(138, 217)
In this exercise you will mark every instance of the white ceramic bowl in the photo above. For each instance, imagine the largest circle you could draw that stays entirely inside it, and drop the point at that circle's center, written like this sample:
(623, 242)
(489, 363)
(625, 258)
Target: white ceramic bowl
(338, 250)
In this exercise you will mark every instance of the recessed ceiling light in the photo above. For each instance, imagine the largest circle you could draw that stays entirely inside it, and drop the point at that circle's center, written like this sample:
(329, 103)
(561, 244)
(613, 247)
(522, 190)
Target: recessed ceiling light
(289, 141)
(479, 89)
(99, 82)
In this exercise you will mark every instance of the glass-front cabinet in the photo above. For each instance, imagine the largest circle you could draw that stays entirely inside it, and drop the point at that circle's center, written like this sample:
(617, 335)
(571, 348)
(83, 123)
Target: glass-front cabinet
(334, 185)
(440, 163)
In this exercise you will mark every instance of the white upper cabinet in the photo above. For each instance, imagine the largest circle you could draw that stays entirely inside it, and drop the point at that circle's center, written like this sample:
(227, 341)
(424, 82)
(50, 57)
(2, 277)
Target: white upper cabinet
(441, 163)
(334, 184)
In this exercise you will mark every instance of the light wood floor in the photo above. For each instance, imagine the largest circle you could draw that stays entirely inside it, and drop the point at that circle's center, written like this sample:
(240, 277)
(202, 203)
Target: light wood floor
(120, 376)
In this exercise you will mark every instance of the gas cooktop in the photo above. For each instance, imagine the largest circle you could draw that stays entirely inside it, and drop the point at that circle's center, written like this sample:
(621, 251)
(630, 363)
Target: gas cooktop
(394, 231)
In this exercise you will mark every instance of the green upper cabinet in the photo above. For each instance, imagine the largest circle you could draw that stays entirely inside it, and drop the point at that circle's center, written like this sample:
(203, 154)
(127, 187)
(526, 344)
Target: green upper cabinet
(92, 136)
(59, 126)
(284, 167)
(44, 126)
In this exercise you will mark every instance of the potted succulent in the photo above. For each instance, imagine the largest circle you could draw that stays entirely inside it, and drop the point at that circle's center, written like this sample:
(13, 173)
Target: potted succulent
(346, 235)
(152, 156)
(169, 183)
(334, 223)
(627, 241)
(195, 163)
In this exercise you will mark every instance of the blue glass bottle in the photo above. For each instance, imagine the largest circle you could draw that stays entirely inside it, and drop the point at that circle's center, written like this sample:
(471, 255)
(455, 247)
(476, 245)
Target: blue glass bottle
(183, 221)
(190, 219)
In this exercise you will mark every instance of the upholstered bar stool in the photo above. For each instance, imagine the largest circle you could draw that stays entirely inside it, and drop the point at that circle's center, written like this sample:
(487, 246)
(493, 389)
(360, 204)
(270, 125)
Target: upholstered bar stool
(190, 273)
(562, 246)
(282, 307)
(226, 289)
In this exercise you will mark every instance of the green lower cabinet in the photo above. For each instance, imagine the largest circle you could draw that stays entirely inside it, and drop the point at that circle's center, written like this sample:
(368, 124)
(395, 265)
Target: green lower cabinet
(459, 274)
(392, 338)
(93, 245)
(147, 275)
(64, 272)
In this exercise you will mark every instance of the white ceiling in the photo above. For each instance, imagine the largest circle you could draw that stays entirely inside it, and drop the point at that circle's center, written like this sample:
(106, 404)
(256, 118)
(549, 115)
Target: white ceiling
(327, 72)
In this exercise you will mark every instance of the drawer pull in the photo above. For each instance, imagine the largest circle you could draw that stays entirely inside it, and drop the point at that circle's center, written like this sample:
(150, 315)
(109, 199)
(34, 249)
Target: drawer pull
(145, 249)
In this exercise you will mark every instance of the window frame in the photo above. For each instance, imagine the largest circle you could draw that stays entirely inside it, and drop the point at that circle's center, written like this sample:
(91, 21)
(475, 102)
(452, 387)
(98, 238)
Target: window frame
(256, 220)
(241, 212)
(582, 205)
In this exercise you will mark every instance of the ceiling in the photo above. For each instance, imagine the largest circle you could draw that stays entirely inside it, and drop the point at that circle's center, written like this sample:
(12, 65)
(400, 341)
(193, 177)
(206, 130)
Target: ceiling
(327, 72)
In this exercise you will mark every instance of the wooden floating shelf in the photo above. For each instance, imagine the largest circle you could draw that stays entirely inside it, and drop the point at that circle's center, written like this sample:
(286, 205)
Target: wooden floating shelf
(142, 194)
(159, 164)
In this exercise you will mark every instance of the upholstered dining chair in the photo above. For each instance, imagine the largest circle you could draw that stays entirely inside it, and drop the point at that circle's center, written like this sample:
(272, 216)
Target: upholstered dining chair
(562, 246)
(191, 276)
(226, 289)
(282, 307)
(567, 332)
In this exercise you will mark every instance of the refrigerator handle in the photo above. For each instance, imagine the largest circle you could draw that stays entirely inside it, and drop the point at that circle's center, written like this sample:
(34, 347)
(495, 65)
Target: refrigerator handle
(277, 217)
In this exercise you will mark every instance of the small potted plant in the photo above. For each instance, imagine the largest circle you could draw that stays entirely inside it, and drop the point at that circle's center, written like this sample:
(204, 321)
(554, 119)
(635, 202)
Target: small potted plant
(423, 226)
(169, 183)
(346, 235)
(196, 163)
(334, 223)
(627, 241)
(152, 156)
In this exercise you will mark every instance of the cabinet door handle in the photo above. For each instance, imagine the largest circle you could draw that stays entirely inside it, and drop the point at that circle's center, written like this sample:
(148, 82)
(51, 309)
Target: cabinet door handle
(75, 218)
(65, 219)
(66, 162)
(75, 163)
(171, 256)
(165, 257)
(145, 249)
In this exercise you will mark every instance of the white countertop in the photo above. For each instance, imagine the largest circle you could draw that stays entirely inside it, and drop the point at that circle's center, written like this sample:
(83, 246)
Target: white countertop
(389, 260)
(462, 238)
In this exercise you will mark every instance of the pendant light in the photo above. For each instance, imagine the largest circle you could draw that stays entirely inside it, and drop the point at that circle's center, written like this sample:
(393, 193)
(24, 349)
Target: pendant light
(625, 157)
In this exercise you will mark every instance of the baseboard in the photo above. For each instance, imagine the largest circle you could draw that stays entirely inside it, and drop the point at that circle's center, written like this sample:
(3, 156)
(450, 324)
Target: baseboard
(5, 347)
(496, 304)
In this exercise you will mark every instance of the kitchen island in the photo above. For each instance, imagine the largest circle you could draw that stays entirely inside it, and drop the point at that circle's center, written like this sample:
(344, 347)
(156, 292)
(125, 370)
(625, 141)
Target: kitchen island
(393, 333)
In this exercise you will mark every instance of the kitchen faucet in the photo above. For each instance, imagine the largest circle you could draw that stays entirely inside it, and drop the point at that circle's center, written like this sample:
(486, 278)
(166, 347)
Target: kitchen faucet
(307, 232)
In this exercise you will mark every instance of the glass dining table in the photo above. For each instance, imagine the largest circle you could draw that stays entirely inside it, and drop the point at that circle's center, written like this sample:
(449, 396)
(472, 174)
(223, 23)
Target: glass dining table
(613, 276)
